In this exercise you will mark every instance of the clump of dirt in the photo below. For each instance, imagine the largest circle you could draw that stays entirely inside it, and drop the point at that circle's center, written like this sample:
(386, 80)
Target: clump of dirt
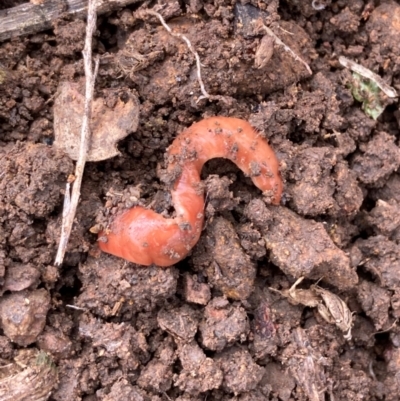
(216, 325)
(31, 187)
(223, 261)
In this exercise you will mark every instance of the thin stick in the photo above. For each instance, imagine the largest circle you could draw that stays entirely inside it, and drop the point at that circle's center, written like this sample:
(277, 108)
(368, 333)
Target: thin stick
(366, 73)
(286, 47)
(189, 45)
(28, 18)
(75, 307)
(70, 205)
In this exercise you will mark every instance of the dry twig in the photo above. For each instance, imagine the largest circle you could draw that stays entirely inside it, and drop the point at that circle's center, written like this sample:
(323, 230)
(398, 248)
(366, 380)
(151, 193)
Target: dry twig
(285, 47)
(366, 73)
(143, 13)
(28, 18)
(71, 202)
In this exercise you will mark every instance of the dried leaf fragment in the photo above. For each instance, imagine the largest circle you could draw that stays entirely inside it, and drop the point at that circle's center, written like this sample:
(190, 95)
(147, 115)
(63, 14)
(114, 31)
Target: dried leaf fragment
(111, 121)
(331, 307)
(298, 296)
(334, 310)
(264, 52)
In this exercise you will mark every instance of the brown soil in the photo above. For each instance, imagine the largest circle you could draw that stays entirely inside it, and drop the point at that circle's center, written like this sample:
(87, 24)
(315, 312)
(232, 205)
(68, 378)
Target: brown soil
(210, 327)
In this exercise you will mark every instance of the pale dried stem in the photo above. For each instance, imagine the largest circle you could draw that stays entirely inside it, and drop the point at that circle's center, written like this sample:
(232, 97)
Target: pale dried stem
(75, 308)
(71, 202)
(366, 73)
(286, 47)
(189, 45)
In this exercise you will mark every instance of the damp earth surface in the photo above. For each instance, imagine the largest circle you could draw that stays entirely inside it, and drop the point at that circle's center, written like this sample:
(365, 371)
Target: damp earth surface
(218, 325)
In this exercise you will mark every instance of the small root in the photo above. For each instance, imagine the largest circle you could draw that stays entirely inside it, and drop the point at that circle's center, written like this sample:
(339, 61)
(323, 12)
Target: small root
(142, 14)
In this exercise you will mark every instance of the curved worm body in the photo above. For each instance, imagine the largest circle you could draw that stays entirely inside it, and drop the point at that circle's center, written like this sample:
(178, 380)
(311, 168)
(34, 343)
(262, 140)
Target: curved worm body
(144, 237)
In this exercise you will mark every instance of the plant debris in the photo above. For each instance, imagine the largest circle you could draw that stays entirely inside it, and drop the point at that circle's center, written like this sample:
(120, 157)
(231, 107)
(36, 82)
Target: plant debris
(366, 73)
(114, 116)
(368, 93)
(143, 13)
(369, 88)
(31, 376)
(306, 366)
(71, 199)
(331, 308)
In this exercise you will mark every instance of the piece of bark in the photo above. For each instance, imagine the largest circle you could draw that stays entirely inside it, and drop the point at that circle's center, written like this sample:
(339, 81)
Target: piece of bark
(29, 18)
